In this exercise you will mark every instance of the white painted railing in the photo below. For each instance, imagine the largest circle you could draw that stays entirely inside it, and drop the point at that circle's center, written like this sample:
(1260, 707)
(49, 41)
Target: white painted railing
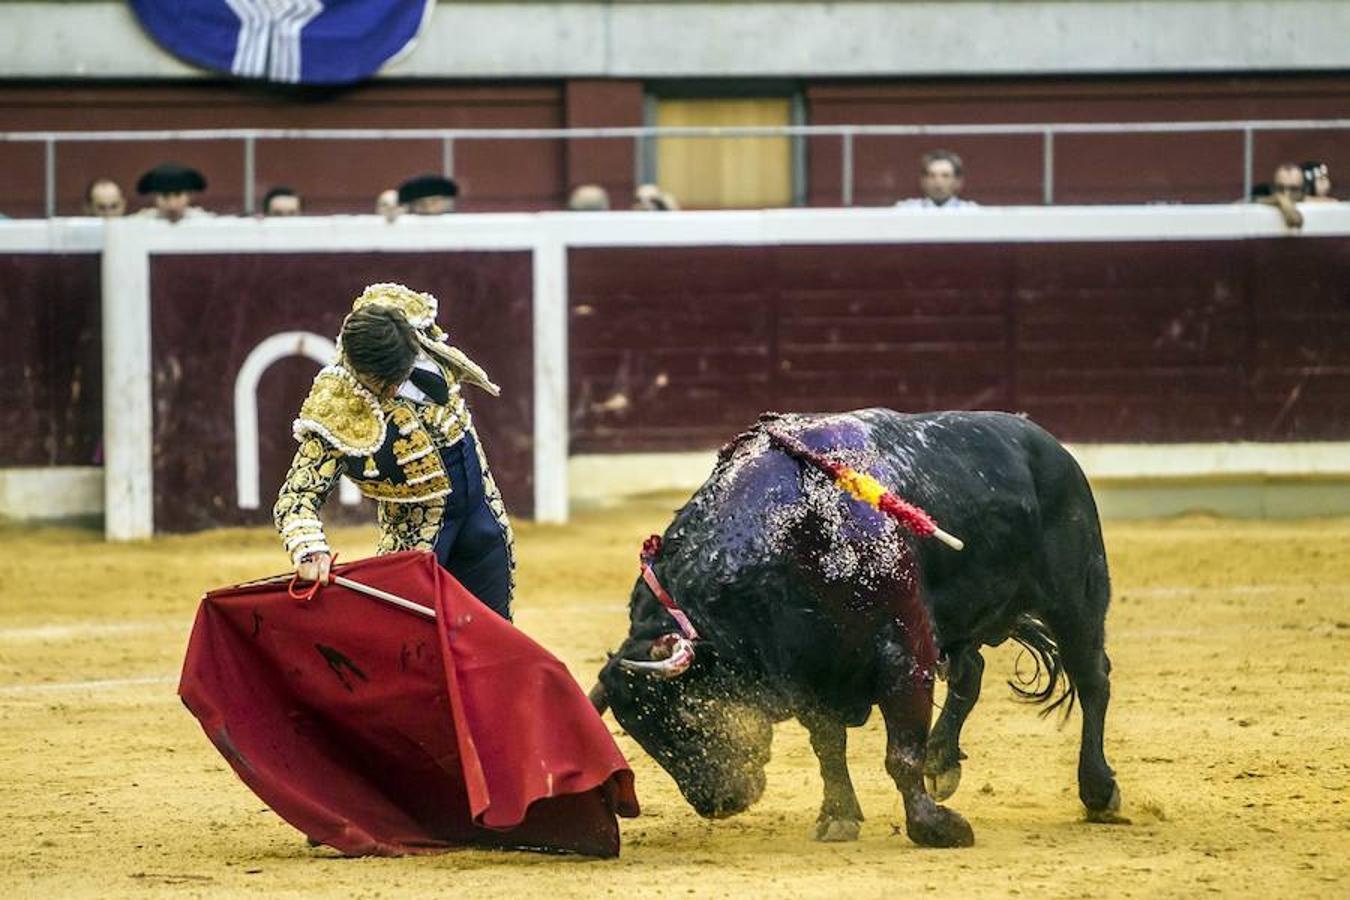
(644, 137)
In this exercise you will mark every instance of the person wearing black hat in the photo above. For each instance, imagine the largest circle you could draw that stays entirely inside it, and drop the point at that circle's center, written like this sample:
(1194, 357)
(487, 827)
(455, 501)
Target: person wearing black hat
(428, 195)
(173, 187)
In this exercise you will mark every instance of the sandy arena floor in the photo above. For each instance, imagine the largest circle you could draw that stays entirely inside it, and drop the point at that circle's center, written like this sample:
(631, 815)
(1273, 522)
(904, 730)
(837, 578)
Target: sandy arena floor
(1229, 731)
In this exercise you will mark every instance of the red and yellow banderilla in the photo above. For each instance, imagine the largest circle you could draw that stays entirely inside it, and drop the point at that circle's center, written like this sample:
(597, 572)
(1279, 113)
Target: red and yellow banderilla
(861, 486)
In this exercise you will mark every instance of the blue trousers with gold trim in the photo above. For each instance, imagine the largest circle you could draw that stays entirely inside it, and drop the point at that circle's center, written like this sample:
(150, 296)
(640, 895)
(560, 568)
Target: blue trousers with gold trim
(471, 544)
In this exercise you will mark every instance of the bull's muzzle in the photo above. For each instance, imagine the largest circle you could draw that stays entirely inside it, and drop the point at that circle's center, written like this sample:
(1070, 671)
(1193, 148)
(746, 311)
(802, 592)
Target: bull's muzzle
(599, 699)
(672, 655)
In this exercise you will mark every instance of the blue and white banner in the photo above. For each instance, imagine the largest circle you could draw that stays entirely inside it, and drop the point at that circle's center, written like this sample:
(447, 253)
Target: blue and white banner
(290, 41)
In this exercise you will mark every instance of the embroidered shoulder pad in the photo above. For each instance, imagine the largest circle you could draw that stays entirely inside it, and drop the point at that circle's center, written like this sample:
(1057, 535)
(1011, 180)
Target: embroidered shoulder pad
(342, 412)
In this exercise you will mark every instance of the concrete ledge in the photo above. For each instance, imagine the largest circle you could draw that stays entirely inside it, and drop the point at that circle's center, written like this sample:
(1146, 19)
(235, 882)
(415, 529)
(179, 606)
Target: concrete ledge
(755, 38)
(1273, 498)
(1241, 461)
(51, 493)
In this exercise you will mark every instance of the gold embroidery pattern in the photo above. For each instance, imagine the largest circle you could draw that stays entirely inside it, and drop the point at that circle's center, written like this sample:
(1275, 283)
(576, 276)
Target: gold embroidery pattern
(414, 446)
(411, 526)
(341, 411)
(314, 473)
(431, 489)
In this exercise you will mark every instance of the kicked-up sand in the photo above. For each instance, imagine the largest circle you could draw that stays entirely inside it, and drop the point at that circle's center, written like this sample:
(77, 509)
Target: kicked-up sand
(1229, 730)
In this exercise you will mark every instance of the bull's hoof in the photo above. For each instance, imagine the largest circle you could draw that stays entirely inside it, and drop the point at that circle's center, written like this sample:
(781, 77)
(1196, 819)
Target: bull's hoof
(940, 828)
(943, 784)
(1109, 814)
(834, 831)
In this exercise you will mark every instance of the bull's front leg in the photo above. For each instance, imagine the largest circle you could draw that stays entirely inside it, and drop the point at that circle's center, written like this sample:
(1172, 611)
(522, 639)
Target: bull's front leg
(942, 770)
(840, 816)
(906, 700)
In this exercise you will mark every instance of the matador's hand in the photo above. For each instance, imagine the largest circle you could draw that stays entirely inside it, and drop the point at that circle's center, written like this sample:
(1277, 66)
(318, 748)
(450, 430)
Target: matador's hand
(314, 568)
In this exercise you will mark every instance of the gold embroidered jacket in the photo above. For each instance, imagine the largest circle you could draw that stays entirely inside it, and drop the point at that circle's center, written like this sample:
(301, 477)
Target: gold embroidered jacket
(389, 448)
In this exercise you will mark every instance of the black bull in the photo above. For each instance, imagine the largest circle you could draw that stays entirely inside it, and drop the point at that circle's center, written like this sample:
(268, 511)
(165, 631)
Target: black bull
(805, 605)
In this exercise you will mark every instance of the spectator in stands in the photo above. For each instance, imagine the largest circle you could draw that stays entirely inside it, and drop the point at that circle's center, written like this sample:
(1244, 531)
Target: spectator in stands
(1286, 190)
(1317, 183)
(1288, 181)
(104, 198)
(941, 178)
(588, 198)
(428, 195)
(282, 201)
(386, 204)
(174, 187)
(651, 197)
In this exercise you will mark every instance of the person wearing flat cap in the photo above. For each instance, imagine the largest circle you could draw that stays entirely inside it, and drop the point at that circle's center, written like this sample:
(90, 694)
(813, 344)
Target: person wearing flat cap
(389, 414)
(428, 195)
(174, 188)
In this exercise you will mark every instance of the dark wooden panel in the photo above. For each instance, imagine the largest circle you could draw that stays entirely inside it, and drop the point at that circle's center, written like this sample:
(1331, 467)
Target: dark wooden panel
(1148, 168)
(1116, 339)
(210, 311)
(999, 169)
(668, 342)
(336, 176)
(608, 162)
(1158, 341)
(1300, 295)
(51, 373)
(21, 180)
(1004, 170)
(222, 162)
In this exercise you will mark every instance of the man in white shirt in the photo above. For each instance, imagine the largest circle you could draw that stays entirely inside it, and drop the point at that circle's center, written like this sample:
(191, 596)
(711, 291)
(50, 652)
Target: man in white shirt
(940, 181)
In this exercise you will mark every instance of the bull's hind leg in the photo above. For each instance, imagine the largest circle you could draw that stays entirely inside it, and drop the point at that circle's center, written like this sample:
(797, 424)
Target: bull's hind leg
(906, 702)
(840, 816)
(1090, 670)
(1080, 633)
(942, 768)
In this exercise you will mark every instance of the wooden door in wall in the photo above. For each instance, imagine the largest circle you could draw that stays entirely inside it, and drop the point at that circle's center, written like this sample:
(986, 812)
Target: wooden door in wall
(725, 172)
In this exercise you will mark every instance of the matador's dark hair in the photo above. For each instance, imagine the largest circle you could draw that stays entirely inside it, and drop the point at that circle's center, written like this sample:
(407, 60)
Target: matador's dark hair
(379, 344)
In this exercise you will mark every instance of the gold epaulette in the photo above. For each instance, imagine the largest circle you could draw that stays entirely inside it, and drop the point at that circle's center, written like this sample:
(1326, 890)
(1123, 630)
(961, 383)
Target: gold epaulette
(342, 412)
(463, 368)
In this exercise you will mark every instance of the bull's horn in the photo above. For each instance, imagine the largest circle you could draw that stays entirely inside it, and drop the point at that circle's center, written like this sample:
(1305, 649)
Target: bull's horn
(676, 664)
(598, 698)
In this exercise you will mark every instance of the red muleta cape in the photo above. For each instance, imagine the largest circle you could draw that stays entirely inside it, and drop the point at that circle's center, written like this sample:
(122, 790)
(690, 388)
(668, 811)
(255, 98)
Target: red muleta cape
(377, 731)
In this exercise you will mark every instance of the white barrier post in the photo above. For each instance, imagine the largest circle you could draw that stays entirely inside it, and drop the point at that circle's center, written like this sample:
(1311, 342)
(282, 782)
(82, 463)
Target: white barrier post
(550, 375)
(128, 482)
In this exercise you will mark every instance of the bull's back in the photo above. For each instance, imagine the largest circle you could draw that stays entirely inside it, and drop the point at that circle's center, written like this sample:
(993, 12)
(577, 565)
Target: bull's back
(1008, 489)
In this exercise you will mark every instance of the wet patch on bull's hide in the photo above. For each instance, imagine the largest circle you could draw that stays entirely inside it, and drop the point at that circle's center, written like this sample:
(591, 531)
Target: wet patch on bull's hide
(772, 506)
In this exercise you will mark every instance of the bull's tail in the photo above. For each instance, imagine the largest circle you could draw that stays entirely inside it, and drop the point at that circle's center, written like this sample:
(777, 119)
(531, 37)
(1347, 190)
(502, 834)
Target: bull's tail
(1049, 678)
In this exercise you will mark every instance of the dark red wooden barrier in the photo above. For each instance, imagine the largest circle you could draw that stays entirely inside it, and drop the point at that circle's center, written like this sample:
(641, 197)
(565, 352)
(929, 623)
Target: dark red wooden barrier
(1166, 341)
